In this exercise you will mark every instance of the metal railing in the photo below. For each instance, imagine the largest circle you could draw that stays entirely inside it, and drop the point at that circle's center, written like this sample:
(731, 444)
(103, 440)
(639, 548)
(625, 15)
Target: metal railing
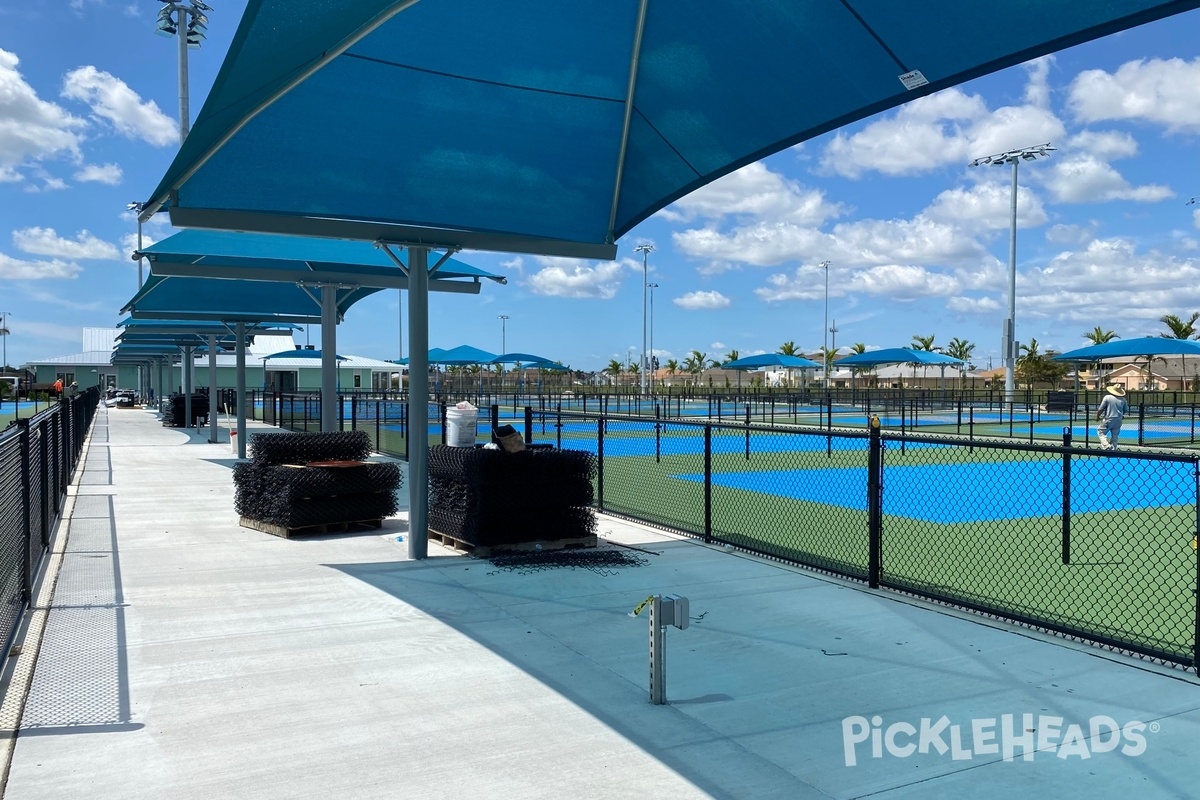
(38, 456)
(1098, 545)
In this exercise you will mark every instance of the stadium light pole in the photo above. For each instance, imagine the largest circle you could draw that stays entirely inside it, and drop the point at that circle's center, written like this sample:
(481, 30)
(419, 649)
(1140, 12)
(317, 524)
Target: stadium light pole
(824, 328)
(1008, 336)
(187, 21)
(136, 208)
(650, 360)
(4, 337)
(645, 250)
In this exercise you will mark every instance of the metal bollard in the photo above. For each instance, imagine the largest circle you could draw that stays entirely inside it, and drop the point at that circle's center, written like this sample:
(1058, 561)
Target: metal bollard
(669, 610)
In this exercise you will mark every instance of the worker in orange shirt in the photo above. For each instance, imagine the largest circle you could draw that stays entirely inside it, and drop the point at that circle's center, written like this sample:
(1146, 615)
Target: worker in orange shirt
(58, 387)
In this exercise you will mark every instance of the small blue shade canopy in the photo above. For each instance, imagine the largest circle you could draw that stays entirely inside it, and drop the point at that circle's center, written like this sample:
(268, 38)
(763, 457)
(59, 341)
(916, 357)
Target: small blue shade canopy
(543, 125)
(463, 354)
(1132, 348)
(771, 360)
(313, 354)
(220, 300)
(897, 355)
(267, 257)
(521, 358)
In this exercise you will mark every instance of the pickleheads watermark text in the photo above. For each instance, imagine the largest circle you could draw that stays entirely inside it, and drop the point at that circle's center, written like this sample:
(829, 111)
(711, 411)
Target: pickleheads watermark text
(1006, 736)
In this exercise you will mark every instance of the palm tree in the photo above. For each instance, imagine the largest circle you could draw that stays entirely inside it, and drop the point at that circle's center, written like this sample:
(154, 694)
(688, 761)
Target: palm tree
(732, 355)
(859, 348)
(672, 366)
(961, 349)
(924, 343)
(1100, 336)
(788, 348)
(1180, 329)
(613, 369)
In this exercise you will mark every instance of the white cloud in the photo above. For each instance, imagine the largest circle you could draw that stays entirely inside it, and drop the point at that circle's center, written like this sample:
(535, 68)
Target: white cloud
(47, 242)
(1037, 91)
(1109, 145)
(114, 102)
(694, 301)
(1165, 92)
(100, 173)
(973, 305)
(895, 281)
(1112, 284)
(31, 129)
(1077, 235)
(18, 270)
(564, 277)
(949, 127)
(757, 192)
(1083, 178)
(987, 206)
(904, 282)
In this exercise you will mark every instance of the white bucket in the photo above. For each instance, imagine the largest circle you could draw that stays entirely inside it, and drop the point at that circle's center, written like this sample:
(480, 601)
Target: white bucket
(461, 422)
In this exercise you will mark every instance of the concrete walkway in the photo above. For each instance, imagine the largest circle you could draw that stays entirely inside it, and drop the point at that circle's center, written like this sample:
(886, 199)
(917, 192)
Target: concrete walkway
(184, 656)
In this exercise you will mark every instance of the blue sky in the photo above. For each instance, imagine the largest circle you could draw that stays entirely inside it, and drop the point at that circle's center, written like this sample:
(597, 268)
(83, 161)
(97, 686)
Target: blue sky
(917, 241)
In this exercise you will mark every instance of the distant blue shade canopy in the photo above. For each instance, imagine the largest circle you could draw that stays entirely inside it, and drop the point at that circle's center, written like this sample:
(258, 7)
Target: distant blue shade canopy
(897, 355)
(538, 126)
(1132, 348)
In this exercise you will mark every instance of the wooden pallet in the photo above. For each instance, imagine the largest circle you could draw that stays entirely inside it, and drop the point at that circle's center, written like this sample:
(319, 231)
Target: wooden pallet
(483, 551)
(328, 527)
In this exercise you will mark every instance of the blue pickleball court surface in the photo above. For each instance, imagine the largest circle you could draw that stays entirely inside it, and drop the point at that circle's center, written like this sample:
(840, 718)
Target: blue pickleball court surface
(992, 491)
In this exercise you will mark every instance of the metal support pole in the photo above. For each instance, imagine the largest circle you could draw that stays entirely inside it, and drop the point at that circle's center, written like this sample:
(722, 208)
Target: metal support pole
(184, 111)
(1011, 325)
(418, 400)
(874, 505)
(213, 437)
(329, 366)
(240, 332)
(658, 653)
(186, 381)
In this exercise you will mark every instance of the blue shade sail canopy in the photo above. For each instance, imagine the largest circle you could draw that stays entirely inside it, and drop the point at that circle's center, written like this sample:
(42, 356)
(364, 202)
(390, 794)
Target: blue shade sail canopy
(219, 299)
(556, 128)
(771, 360)
(1132, 348)
(521, 358)
(898, 355)
(277, 258)
(463, 354)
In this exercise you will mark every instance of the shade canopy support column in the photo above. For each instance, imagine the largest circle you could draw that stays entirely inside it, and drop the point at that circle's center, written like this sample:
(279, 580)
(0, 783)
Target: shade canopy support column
(185, 379)
(213, 436)
(329, 398)
(418, 402)
(240, 333)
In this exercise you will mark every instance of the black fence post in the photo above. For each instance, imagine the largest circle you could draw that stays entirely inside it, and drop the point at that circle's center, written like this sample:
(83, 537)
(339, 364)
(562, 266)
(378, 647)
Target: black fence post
(495, 416)
(707, 484)
(353, 412)
(558, 425)
(874, 504)
(600, 464)
(44, 481)
(528, 424)
(1196, 555)
(1066, 498)
(26, 513)
(1141, 424)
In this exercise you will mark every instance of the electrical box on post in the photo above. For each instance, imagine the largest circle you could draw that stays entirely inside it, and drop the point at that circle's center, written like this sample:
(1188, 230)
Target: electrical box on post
(675, 611)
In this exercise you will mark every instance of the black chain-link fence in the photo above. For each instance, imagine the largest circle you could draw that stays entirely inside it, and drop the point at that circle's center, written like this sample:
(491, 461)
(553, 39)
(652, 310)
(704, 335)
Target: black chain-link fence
(1095, 544)
(38, 456)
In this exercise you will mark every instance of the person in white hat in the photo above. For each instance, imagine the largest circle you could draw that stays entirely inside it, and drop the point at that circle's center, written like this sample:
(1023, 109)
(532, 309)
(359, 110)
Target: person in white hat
(1110, 413)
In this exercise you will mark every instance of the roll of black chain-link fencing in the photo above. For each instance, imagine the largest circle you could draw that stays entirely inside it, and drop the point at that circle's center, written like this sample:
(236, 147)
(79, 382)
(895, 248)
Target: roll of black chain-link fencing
(489, 497)
(278, 485)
